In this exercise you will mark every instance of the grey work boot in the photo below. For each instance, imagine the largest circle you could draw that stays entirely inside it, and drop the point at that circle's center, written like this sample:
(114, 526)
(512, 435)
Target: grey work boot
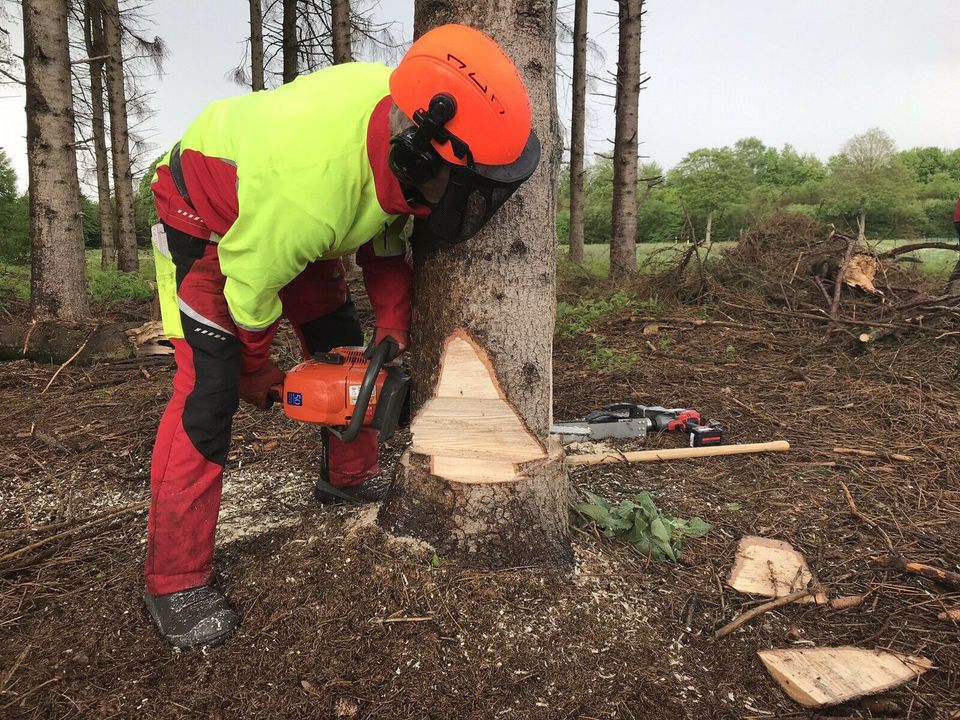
(192, 618)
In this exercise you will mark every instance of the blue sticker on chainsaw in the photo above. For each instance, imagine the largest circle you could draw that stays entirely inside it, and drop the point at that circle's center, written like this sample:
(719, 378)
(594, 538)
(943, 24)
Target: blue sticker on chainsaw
(295, 399)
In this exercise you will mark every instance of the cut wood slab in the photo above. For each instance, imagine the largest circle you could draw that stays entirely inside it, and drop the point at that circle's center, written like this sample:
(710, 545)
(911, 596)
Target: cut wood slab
(770, 568)
(815, 677)
(469, 431)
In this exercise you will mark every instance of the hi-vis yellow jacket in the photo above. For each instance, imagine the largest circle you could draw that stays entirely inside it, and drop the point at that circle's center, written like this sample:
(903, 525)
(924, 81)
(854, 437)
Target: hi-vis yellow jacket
(284, 177)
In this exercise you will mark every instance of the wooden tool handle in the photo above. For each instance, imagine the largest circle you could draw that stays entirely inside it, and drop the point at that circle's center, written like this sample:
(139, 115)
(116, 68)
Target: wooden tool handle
(677, 453)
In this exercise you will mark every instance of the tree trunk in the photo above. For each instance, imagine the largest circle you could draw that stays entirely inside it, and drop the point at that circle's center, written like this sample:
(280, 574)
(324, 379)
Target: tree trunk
(623, 241)
(93, 39)
(861, 227)
(577, 123)
(709, 231)
(57, 282)
(127, 259)
(343, 53)
(483, 484)
(256, 45)
(56, 342)
(289, 40)
(340, 22)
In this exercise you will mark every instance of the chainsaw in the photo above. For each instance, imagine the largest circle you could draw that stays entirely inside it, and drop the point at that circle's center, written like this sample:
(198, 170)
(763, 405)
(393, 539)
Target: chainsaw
(347, 389)
(626, 420)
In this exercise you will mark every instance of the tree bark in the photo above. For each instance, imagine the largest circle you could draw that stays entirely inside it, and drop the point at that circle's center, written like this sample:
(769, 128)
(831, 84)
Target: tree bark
(290, 44)
(57, 282)
(623, 241)
(861, 227)
(54, 342)
(709, 231)
(127, 259)
(256, 45)
(343, 53)
(93, 39)
(493, 295)
(577, 125)
(340, 22)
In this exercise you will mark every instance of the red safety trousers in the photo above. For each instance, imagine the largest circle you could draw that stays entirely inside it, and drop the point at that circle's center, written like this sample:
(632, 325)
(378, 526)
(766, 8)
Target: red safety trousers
(193, 439)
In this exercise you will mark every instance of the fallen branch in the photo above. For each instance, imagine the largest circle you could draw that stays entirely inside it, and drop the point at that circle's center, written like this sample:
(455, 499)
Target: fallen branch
(83, 525)
(872, 453)
(893, 252)
(645, 456)
(68, 361)
(868, 521)
(749, 615)
(897, 562)
(838, 283)
(384, 621)
(26, 340)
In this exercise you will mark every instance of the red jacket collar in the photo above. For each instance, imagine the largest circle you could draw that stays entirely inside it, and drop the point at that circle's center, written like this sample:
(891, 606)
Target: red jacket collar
(389, 192)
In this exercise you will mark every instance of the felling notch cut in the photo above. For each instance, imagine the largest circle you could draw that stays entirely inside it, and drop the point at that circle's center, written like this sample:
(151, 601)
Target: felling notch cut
(468, 429)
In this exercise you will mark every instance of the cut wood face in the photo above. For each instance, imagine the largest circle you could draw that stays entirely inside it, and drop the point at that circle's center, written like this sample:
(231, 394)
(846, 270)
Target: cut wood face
(770, 568)
(827, 676)
(470, 431)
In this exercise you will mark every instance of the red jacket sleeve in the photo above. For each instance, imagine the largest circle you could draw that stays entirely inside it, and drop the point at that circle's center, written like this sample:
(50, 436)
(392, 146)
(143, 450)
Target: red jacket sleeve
(255, 347)
(388, 280)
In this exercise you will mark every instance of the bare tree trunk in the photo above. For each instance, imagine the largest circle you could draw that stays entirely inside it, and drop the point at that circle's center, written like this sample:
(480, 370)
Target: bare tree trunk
(342, 53)
(623, 241)
(340, 21)
(93, 39)
(709, 231)
(256, 45)
(483, 484)
(289, 40)
(57, 282)
(577, 123)
(127, 259)
(861, 227)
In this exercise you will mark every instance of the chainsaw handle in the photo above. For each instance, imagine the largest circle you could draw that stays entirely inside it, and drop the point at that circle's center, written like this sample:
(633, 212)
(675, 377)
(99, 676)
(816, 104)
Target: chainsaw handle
(381, 353)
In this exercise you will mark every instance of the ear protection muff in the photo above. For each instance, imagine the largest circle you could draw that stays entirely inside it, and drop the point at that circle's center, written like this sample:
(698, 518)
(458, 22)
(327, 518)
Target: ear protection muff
(413, 158)
(410, 162)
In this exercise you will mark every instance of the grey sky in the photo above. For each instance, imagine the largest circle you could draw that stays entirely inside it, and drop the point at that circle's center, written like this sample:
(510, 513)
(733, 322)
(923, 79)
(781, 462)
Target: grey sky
(811, 74)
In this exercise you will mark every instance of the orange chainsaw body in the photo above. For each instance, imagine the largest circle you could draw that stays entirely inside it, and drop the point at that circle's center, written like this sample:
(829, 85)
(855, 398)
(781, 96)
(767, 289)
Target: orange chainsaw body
(325, 390)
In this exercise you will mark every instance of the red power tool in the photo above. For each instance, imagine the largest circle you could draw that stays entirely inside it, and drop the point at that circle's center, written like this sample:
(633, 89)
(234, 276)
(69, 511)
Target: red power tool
(347, 389)
(628, 420)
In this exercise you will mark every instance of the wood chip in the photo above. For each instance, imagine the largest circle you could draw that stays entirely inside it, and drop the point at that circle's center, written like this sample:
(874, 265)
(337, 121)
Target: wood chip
(770, 568)
(817, 677)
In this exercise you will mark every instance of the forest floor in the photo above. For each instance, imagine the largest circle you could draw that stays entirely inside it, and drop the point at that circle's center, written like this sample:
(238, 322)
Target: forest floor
(340, 623)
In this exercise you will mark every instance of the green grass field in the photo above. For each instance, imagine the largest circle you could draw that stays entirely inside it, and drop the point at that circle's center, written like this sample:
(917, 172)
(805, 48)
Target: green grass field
(596, 261)
(102, 286)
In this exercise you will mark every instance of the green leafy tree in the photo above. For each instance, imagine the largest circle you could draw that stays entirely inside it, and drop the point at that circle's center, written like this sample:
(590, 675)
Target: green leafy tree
(145, 212)
(711, 182)
(14, 216)
(868, 179)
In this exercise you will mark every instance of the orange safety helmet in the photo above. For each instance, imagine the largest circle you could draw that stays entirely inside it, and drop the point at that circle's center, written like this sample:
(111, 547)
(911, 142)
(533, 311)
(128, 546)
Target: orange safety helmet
(471, 113)
(492, 108)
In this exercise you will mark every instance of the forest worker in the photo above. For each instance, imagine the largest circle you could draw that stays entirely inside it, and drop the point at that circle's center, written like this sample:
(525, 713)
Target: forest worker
(956, 218)
(258, 201)
(953, 282)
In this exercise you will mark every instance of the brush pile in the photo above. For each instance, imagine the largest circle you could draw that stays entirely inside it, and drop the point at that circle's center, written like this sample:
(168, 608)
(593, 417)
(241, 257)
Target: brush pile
(794, 266)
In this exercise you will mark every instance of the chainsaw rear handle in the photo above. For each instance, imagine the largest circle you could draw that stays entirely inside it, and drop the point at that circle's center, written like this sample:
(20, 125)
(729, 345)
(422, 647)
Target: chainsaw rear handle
(387, 348)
